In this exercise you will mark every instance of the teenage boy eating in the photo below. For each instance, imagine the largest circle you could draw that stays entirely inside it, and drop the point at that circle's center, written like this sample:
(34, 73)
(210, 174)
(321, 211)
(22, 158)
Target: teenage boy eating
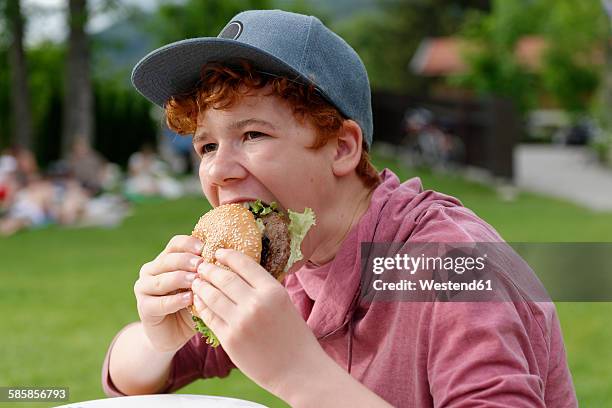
(279, 109)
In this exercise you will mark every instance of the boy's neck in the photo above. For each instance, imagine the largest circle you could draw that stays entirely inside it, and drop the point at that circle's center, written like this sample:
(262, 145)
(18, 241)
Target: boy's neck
(354, 202)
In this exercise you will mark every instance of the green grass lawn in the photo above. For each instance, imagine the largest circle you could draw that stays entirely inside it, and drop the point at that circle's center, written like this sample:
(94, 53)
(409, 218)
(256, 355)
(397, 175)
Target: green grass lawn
(66, 292)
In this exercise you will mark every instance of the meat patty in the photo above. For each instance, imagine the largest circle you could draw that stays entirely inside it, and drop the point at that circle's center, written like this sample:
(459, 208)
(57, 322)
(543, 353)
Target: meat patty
(276, 243)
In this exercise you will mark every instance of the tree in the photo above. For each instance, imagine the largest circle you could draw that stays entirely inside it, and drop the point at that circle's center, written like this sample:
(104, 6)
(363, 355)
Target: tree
(78, 92)
(603, 144)
(20, 95)
(197, 18)
(387, 38)
(47, 64)
(606, 85)
(490, 56)
(573, 32)
(576, 33)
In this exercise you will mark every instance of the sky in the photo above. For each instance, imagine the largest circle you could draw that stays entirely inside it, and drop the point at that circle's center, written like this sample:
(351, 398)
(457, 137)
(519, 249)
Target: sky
(46, 18)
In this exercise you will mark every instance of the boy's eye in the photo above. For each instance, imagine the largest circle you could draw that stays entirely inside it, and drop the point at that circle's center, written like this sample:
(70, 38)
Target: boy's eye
(253, 135)
(208, 147)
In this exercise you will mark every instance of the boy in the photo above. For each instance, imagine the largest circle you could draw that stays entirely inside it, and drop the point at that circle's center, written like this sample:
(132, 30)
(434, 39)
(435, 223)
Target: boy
(279, 108)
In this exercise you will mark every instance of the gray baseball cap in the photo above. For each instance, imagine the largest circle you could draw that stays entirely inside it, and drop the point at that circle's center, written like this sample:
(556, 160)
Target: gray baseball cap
(275, 42)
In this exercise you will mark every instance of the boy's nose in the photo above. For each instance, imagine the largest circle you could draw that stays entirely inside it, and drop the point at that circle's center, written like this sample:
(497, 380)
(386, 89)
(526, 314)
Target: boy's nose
(224, 167)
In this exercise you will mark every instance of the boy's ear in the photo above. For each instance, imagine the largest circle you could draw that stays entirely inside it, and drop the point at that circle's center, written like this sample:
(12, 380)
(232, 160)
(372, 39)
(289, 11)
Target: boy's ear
(348, 148)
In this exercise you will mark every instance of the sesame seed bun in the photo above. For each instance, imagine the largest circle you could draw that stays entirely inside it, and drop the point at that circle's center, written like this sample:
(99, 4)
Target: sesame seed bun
(230, 226)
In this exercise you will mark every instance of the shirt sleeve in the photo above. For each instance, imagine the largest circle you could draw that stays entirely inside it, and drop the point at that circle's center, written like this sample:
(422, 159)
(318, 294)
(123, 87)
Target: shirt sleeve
(194, 360)
(480, 353)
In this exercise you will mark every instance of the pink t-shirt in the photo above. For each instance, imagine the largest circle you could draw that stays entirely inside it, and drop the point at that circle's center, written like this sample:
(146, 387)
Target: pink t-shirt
(414, 354)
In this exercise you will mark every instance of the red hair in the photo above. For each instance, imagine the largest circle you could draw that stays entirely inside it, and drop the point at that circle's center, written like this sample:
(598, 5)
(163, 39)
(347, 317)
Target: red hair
(222, 86)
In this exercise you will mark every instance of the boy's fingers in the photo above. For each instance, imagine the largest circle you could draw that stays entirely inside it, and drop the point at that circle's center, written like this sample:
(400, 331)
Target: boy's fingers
(184, 243)
(171, 262)
(215, 300)
(164, 283)
(229, 282)
(249, 270)
(213, 321)
(159, 306)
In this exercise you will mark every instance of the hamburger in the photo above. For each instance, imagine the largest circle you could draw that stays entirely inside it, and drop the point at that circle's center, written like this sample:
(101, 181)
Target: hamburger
(260, 230)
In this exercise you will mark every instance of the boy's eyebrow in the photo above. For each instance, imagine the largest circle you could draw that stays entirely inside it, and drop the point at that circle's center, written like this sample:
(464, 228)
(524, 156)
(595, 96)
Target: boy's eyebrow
(235, 126)
(245, 122)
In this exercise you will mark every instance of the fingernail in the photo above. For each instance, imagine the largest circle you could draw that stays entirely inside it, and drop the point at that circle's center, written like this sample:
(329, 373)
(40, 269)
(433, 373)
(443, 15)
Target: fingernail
(187, 297)
(190, 278)
(219, 252)
(198, 247)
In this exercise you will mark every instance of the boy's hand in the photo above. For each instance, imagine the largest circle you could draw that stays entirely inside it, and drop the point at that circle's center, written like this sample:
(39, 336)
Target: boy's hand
(165, 320)
(253, 318)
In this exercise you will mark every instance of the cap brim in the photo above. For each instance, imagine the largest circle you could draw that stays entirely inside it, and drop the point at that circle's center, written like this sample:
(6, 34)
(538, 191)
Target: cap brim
(175, 68)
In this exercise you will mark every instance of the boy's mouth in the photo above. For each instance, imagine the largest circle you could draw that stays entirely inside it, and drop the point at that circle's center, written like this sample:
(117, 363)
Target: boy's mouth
(239, 200)
(246, 200)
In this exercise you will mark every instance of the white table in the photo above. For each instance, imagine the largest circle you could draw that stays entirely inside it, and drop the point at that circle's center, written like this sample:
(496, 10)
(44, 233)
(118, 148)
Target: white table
(165, 401)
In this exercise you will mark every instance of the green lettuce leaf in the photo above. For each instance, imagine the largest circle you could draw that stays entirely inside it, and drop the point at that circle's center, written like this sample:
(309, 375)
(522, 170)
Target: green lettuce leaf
(207, 334)
(259, 209)
(299, 225)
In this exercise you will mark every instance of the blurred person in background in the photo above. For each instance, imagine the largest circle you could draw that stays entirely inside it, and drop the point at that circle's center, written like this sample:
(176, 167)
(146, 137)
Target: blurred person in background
(45, 201)
(149, 176)
(30, 200)
(74, 192)
(8, 181)
(70, 197)
(27, 167)
(30, 207)
(87, 165)
(26, 196)
(178, 152)
(431, 143)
